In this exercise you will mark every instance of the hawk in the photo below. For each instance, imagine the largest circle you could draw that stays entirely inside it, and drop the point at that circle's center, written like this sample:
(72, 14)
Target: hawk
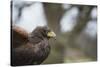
(30, 48)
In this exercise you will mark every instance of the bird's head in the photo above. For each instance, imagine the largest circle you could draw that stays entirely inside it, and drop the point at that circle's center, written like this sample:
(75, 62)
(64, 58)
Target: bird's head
(44, 31)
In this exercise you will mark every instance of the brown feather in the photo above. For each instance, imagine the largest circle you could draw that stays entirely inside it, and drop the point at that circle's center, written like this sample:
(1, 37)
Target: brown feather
(33, 50)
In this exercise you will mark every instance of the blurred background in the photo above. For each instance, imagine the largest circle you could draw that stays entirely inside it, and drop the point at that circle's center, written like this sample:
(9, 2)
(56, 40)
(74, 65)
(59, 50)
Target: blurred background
(75, 27)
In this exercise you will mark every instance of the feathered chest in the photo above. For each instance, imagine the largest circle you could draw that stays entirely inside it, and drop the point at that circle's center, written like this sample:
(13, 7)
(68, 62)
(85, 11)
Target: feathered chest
(31, 53)
(42, 50)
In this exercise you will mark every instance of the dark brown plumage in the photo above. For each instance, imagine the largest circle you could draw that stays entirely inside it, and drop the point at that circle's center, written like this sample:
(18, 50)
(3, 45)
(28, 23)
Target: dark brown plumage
(32, 49)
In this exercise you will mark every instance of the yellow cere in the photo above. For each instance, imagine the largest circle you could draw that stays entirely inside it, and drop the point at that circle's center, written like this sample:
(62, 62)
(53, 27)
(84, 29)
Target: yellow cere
(51, 34)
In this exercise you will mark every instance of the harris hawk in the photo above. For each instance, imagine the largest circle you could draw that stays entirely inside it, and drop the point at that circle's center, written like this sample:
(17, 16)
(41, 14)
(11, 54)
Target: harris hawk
(30, 48)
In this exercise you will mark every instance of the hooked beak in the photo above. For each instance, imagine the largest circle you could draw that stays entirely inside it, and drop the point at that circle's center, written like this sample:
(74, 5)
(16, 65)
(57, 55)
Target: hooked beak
(51, 34)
